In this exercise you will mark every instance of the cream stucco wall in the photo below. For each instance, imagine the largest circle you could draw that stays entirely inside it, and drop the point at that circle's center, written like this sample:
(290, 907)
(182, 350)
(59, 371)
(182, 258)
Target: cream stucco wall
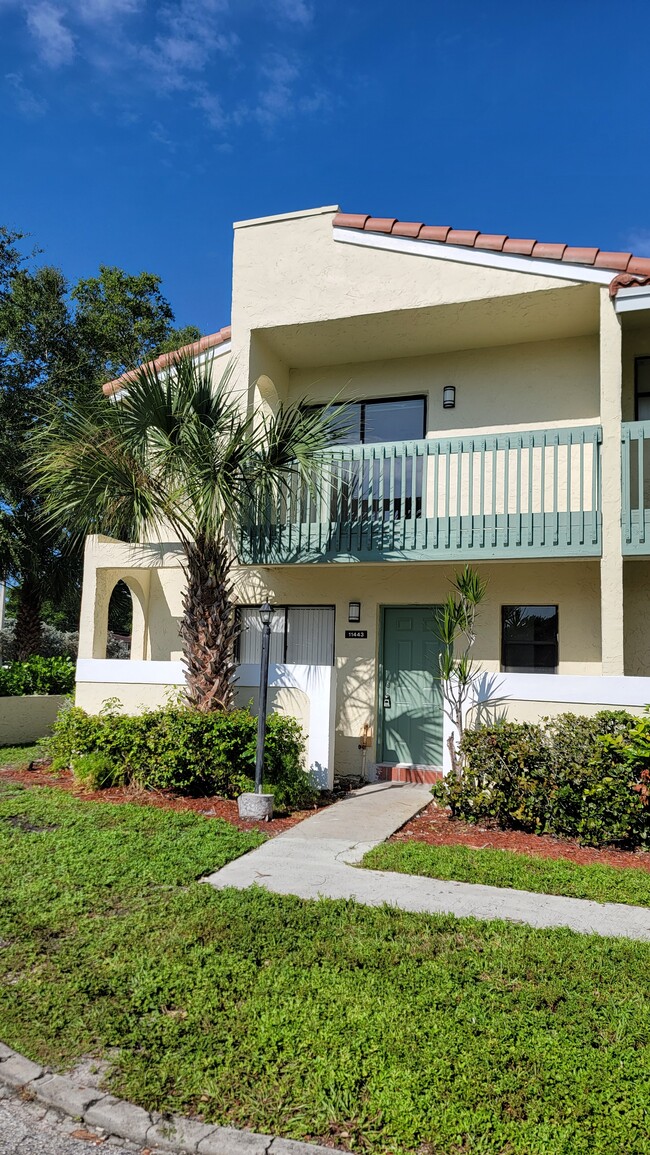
(636, 574)
(574, 586)
(290, 271)
(547, 383)
(26, 719)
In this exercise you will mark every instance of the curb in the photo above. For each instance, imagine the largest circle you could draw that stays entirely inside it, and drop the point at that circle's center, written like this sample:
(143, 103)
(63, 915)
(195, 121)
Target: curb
(125, 1120)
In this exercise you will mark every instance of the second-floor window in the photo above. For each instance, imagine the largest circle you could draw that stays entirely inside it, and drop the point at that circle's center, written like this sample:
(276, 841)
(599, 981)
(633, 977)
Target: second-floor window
(642, 389)
(371, 486)
(371, 422)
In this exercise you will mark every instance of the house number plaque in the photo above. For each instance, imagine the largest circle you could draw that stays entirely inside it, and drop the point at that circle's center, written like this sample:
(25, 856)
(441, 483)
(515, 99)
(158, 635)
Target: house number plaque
(356, 633)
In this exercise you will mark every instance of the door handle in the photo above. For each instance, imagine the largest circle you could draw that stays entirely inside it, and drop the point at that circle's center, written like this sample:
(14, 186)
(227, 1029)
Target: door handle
(387, 702)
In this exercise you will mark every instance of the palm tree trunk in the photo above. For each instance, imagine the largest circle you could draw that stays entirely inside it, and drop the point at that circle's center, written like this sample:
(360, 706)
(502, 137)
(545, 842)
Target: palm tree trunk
(27, 634)
(208, 628)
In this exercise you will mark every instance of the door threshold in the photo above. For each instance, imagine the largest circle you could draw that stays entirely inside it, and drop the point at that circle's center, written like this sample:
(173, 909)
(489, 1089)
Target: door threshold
(405, 772)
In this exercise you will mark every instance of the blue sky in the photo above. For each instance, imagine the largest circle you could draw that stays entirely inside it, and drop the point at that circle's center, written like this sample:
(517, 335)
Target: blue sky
(134, 132)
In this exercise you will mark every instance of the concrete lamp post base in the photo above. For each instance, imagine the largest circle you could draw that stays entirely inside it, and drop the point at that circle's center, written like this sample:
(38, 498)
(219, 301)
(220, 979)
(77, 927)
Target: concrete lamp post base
(256, 807)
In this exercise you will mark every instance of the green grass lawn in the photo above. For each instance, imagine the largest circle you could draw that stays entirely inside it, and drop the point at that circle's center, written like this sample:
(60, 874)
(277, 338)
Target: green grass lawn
(393, 1032)
(520, 871)
(19, 755)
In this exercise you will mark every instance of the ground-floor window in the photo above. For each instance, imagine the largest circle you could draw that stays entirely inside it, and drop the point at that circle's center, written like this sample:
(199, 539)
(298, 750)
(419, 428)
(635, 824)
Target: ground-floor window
(300, 635)
(529, 639)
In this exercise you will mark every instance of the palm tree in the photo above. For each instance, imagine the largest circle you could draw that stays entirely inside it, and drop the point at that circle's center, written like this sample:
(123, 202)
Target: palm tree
(178, 453)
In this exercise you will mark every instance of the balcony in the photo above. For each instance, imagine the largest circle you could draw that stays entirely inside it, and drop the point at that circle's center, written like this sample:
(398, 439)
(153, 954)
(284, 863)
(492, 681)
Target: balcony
(527, 494)
(635, 461)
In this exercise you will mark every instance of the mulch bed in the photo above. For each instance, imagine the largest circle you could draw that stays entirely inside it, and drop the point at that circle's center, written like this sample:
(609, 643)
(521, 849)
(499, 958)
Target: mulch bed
(436, 827)
(211, 807)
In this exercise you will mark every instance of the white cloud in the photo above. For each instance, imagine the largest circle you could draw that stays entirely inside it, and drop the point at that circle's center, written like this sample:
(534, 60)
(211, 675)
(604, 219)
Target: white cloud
(103, 11)
(638, 242)
(186, 47)
(297, 11)
(27, 102)
(190, 35)
(55, 42)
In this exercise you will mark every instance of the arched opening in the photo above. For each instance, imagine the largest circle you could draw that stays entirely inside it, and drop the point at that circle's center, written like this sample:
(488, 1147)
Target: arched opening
(120, 622)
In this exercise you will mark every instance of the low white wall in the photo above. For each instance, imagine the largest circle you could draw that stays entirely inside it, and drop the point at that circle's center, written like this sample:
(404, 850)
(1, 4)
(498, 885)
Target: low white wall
(530, 697)
(145, 685)
(28, 718)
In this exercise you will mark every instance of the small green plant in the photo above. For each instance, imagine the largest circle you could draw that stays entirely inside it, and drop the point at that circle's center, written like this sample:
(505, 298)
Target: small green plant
(96, 771)
(456, 628)
(37, 676)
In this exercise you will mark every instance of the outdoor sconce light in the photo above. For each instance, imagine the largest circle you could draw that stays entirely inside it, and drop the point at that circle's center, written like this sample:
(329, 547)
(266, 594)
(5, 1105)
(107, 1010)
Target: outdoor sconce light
(449, 397)
(354, 611)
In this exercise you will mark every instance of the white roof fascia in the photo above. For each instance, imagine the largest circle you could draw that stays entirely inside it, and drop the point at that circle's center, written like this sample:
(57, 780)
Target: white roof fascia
(632, 298)
(286, 216)
(545, 268)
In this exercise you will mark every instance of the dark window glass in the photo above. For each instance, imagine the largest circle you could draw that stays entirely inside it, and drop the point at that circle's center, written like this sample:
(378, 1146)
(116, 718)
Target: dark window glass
(371, 422)
(642, 389)
(529, 639)
(393, 420)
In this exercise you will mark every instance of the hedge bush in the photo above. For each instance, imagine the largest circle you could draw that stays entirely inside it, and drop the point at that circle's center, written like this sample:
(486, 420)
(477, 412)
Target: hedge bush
(572, 776)
(181, 749)
(37, 676)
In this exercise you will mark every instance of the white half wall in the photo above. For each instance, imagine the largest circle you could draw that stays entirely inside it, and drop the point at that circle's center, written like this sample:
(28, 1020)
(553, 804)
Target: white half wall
(318, 683)
(528, 697)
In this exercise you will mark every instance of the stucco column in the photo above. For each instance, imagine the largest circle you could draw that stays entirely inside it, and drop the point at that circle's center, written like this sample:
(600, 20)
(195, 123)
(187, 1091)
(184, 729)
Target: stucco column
(95, 595)
(611, 565)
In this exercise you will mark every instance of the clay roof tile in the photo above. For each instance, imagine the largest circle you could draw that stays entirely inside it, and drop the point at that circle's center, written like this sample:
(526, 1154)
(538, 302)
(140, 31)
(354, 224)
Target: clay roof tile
(464, 237)
(640, 266)
(618, 261)
(548, 252)
(350, 220)
(379, 224)
(407, 228)
(580, 256)
(492, 241)
(434, 232)
(521, 246)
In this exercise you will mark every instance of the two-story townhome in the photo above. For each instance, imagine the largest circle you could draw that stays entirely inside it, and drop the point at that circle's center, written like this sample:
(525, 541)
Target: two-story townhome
(499, 393)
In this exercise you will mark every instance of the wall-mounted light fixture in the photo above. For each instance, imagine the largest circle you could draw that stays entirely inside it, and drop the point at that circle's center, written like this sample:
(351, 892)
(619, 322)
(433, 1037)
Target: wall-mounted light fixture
(354, 611)
(449, 397)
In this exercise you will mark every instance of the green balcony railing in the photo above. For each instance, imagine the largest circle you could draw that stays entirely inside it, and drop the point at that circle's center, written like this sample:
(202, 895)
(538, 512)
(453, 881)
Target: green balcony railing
(635, 463)
(526, 494)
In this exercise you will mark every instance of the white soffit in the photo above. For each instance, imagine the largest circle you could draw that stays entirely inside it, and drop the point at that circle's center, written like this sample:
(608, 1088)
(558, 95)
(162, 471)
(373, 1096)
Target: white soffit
(466, 256)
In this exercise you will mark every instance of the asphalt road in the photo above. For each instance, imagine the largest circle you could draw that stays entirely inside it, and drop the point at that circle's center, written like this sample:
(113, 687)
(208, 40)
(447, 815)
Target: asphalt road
(32, 1129)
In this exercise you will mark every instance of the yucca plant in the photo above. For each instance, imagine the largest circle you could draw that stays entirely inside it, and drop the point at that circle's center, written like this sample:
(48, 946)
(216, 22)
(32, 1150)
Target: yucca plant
(178, 455)
(456, 629)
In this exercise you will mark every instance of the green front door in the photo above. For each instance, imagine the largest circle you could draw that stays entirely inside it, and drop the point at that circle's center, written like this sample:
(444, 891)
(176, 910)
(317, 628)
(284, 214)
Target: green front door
(410, 698)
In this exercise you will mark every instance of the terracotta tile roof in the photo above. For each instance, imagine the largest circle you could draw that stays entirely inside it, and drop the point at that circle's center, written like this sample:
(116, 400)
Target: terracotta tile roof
(637, 269)
(211, 341)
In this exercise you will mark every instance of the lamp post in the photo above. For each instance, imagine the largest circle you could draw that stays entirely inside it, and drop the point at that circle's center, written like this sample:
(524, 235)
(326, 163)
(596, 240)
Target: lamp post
(266, 615)
(258, 806)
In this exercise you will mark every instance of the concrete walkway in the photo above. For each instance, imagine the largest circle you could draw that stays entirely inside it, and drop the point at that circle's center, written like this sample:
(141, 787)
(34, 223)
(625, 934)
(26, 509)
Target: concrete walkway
(316, 859)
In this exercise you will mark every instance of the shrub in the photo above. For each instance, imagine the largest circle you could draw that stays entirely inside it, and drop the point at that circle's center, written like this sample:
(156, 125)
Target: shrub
(96, 771)
(573, 776)
(194, 753)
(37, 676)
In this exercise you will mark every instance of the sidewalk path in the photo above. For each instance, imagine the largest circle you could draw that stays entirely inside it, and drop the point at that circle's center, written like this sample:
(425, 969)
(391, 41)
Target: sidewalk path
(315, 859)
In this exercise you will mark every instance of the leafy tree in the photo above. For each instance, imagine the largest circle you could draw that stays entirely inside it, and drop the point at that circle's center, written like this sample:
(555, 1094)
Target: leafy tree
(57, 344)
(179, 451)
